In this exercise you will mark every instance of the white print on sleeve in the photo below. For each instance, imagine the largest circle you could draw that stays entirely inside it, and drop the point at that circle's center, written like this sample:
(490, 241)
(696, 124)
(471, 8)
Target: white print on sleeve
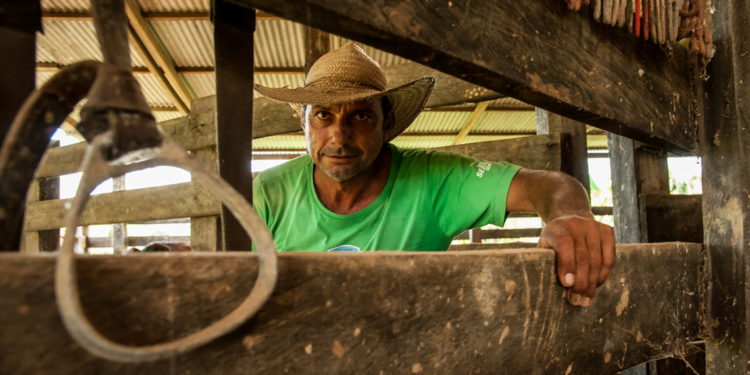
(482, 166)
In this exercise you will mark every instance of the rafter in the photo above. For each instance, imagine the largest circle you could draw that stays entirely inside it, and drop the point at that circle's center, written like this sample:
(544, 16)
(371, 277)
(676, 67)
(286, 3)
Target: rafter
(148, 16)
(159, 54)
(473, 119)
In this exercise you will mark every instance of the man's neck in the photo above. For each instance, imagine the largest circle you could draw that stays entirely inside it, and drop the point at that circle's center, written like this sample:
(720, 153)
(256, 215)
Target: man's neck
(353, 195)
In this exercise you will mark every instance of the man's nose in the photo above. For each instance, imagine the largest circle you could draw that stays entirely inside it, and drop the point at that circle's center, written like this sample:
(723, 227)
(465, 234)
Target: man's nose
(341, 131)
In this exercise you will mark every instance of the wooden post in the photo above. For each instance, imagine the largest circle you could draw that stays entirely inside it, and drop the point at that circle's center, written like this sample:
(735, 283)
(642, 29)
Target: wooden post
(475, 235)
(578, 165)
(119, 230)
(49, 188)
(204, 234)
(724, 130)
(233, 40)
(317, 43)
(17, 77)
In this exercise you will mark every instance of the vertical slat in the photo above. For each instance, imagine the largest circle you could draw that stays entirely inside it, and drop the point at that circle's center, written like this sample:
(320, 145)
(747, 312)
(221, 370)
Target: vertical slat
(204, 229)
(724, 130)
(317, 43)
(577, 166)
(119, 231)
(233, 43)
(30, 239)
(49, 188)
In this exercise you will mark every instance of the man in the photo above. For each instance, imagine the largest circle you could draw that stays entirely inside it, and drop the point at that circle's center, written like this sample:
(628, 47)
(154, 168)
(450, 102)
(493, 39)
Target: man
(356, 192)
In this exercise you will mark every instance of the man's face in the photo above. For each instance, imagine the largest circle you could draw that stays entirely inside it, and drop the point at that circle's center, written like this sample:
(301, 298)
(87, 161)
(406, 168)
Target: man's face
(344, 139)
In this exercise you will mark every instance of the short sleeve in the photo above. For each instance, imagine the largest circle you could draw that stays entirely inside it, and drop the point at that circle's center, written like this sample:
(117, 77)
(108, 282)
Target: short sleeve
(468, 193)
(260, 203)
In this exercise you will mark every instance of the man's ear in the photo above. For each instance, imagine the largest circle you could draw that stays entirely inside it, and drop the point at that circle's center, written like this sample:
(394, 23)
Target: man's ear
(388, 124)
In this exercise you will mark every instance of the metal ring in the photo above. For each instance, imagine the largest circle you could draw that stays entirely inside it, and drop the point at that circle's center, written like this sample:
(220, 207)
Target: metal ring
(96, 169)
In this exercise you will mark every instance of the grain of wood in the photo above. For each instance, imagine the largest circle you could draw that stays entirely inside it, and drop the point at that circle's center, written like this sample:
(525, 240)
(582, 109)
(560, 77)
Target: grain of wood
(447, 309)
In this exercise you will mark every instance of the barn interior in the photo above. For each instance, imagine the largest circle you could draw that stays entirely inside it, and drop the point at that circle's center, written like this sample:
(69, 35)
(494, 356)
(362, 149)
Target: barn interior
(541, 84)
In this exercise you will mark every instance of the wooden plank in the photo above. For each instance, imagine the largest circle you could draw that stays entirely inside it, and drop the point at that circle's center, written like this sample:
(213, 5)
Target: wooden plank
(624, 189)
(153, 67)
(188, 199)
(473, 120)
(191, 132)
(668, 218)
(505, 46)
(447, 312)
(157, 51)
(136, 241)
(578, 164)
(119, 241)
(204, 230)
(547, 154)
(724, 128)
(233, 40)
(492, 246)
(503, 233)
(148, 16)
(317, 44)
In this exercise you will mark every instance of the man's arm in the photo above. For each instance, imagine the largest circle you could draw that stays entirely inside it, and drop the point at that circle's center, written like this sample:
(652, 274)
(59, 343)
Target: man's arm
(585, 248)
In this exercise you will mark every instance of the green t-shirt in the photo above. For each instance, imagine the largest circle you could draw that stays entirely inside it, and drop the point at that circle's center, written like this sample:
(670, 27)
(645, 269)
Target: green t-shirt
(430, 197)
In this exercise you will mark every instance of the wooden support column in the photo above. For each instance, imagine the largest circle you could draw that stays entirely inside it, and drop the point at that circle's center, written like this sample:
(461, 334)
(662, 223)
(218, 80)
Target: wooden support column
(578, 165)
(317, 43)
(17, 77)
(119, 230)
(724, 129)
(233, 42)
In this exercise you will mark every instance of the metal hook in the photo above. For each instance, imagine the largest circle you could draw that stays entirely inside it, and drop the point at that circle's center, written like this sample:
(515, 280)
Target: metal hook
(97, 169)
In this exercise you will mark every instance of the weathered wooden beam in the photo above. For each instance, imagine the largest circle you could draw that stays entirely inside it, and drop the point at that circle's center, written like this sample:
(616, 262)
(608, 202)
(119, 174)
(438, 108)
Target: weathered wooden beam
(502, 233)
(53, 68)
(191, 132)
(188, 199)
(469, 124)
(316, 44)
(234, 27)
(598, 75)
(140, 48)
(549, 151)
(724, 128)
(119, 240)
(148, 16)
(157, 51)
(445, 312)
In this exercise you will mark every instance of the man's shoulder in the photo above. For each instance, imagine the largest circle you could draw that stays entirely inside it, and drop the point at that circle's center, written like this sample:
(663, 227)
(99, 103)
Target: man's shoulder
(285, 171)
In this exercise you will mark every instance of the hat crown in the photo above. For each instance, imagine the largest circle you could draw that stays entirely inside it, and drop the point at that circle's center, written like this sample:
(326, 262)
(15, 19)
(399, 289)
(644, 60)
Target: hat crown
(348, 66)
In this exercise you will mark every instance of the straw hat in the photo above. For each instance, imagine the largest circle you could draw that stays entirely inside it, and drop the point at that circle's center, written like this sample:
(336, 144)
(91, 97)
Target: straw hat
(348, 75)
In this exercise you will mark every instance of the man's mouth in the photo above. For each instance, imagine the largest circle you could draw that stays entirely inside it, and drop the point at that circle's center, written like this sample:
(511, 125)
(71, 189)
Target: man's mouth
(341, 158)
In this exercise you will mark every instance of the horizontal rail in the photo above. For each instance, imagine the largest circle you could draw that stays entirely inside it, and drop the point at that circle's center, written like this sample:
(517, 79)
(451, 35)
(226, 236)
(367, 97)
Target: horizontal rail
(467, 312)
(135, 241)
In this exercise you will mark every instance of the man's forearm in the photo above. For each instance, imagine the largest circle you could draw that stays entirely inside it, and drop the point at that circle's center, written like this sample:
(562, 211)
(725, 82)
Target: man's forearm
(555, 194)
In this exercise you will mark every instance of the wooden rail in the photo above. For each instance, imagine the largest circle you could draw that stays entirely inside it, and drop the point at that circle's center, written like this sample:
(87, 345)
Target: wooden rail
(470, 312)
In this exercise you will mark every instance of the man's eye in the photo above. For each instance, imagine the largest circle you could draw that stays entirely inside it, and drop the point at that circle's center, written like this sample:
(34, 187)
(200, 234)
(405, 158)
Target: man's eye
(322, 115)
(361, 116)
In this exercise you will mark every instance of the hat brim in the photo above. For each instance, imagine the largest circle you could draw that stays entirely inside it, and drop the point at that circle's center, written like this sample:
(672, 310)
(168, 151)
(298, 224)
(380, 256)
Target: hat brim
(407, 100)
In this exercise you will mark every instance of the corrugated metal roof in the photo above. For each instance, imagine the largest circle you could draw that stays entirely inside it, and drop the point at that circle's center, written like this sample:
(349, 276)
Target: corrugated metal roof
(439, 122)
(164, 116)
(203, 84)
(72, 41)
(174, 5)
(66, 5)
(506, 122)
(280, 142)
(279, 44)
(152, 89)
(190, 43)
